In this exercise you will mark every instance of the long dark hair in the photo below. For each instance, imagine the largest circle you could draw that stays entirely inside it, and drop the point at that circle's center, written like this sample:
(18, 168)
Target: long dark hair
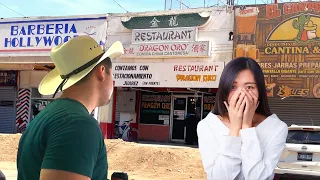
(229, 73)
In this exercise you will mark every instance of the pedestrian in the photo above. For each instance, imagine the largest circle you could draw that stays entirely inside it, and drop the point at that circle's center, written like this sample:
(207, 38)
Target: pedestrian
(190, 126)
(241, 139)
(64, 141)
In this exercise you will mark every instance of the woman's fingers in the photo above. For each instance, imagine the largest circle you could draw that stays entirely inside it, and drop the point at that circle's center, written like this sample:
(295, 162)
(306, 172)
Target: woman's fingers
(250, 98)
(241, 98)
(243, 104)
(255, 98)
(226, 104)
(234, 98)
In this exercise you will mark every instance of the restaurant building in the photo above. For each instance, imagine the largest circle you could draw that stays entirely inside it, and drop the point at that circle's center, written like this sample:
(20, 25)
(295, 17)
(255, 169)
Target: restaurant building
(25, 46)
(284, 39)
(171, 68)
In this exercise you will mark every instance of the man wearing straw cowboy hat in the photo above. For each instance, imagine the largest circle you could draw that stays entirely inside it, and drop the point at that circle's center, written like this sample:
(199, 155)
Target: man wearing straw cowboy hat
(64, 142)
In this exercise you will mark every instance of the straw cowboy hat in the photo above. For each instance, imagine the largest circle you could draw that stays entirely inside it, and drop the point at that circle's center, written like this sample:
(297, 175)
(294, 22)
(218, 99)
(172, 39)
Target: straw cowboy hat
(73, 60)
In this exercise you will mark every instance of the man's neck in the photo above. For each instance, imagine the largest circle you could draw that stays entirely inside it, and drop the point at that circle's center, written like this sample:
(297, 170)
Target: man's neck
(84, 97)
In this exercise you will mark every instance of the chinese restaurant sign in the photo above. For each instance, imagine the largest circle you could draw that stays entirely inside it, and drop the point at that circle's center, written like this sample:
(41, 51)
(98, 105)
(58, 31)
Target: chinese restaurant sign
(37, 37)
(175, 75)
(208, 104)
(167, 50)
(165, 21)
(164, 35)
(155, 108)
(284, 39)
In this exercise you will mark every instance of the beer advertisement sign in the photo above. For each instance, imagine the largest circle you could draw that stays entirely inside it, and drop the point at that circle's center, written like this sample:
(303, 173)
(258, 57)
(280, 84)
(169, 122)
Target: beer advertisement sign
(284, 39)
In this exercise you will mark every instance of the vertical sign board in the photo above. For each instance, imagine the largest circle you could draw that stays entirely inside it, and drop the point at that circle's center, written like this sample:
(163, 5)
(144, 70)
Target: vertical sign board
(284, 39)
(37, 37)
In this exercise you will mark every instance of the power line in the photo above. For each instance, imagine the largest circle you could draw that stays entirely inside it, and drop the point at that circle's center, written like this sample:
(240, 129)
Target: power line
(12, 9)
(180, 1)
(120, 5)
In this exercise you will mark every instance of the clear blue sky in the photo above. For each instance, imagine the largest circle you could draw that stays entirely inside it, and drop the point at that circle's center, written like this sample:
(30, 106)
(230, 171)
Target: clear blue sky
(81, 7)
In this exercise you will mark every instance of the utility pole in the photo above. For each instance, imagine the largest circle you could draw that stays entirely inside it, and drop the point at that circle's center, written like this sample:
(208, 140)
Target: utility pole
(165, 4)
(180, 4)
(171, 5)
(204, 3)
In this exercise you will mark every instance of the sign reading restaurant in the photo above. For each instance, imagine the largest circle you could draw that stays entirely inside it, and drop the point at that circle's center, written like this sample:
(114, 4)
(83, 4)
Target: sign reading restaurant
(164, 35)
(198, 75)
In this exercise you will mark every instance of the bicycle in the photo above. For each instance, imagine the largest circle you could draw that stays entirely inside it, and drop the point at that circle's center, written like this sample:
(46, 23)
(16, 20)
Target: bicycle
(126, 132)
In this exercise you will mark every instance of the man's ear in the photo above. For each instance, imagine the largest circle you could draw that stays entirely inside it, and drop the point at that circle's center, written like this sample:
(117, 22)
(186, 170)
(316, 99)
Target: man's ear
(101, 73)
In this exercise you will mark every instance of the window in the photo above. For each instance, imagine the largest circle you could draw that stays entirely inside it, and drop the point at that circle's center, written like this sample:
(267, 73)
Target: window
(155, 108)
(7, 103)
(303, 137)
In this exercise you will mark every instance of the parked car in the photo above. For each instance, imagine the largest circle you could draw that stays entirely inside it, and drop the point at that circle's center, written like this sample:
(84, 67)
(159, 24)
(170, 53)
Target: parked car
(300, 158)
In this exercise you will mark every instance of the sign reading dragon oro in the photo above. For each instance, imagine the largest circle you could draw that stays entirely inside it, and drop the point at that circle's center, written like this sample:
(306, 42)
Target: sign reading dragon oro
(285, 40)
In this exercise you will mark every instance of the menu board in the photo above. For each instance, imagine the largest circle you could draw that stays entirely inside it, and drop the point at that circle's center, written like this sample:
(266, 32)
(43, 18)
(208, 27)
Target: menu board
(8, 78)
(208, 104)
(155, 108)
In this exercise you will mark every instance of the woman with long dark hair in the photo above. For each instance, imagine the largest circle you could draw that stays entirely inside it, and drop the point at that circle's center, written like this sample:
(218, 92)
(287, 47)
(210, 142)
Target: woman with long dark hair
(241, 138)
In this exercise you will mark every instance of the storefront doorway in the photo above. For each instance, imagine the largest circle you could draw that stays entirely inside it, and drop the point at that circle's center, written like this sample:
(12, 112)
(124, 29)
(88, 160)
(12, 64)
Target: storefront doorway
(185, 115)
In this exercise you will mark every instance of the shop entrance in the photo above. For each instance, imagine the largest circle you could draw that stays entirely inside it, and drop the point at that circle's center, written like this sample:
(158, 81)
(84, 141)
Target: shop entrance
(185, 115)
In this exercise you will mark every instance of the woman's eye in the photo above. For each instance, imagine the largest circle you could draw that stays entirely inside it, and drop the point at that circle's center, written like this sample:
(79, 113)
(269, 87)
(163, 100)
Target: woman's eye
(249, 87)
(233, 87)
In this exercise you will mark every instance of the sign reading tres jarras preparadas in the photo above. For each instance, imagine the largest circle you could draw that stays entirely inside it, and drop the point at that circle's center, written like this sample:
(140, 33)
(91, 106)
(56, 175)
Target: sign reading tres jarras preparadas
(284, 39)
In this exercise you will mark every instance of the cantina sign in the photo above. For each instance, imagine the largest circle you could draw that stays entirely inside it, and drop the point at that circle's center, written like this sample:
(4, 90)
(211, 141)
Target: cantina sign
(164, 35)
(167, 50)
(196, 75)
(288, 50)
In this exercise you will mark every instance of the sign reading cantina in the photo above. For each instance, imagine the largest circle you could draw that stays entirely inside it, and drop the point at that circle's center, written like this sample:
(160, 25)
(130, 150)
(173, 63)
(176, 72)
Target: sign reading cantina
(285, 40)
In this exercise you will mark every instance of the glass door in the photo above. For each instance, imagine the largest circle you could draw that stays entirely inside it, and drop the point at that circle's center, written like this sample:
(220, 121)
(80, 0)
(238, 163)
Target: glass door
(178, 132)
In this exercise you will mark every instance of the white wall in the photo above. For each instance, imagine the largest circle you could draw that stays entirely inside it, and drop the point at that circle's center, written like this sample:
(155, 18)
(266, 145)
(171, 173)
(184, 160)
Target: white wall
(216, 30)
(105, 112)
(31, 79)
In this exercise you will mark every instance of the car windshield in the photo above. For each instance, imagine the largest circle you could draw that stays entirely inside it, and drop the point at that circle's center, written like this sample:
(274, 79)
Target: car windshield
(303, 137)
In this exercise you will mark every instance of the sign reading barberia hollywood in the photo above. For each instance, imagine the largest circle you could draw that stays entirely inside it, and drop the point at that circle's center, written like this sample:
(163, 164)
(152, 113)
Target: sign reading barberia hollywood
(188, 34)
(284, 39)
(167, 50)
(36, 37)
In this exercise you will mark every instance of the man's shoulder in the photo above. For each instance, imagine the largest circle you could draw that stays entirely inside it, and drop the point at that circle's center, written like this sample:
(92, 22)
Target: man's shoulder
(62, 109)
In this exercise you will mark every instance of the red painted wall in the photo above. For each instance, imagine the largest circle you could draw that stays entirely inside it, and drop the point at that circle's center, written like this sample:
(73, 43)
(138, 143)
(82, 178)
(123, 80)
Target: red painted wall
(158, 133)
(106, 129)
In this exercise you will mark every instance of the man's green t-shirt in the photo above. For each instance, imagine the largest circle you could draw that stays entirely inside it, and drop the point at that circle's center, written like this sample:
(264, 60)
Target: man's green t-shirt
(63, 136)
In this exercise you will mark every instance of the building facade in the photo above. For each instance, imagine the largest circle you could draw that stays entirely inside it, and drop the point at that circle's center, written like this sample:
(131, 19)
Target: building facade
(170, 70)
(25, 46)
